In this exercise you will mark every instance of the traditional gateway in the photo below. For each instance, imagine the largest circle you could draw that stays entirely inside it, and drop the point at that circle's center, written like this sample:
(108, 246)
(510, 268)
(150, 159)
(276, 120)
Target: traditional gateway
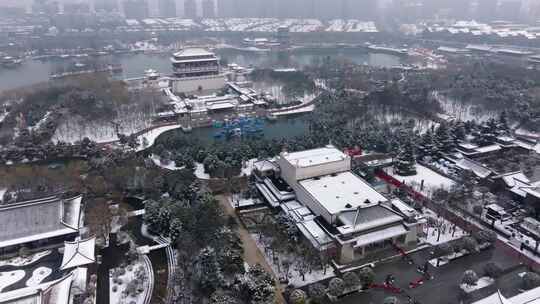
(333, 207)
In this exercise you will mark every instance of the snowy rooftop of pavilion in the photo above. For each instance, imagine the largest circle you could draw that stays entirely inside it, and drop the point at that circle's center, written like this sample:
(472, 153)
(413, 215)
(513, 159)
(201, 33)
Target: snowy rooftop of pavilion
(342, 191)
(78, 253)
(192, 52)
(55, 292)
(38, 219)
(314, 157)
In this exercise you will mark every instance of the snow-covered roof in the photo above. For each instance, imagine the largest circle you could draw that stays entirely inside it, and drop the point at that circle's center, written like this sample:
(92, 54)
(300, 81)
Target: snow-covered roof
(486, 149)
(38, 219)
(468, 146)
(364, 219)
(54, 292)
(297, 211)
(193, 52)
(78, 253)
(315, 234)
(341, 191)
(380, 235)
(266, 165)
(314, 157)
(476, 168)
(513, 179)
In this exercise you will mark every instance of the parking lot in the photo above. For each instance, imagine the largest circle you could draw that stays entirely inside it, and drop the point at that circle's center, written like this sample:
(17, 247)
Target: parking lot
(446, 279)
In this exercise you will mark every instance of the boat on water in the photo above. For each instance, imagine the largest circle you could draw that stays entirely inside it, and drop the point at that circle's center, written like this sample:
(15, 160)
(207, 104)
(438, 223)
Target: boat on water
(10, 62)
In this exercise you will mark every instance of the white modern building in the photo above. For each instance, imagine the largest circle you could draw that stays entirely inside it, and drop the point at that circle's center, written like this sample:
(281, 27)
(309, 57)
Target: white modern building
(344, 208)
(196, 69)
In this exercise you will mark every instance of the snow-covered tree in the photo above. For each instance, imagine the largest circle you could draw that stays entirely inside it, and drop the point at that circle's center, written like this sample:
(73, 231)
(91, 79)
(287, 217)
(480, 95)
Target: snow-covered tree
(256, 286)
(351, 279)
(406, 161)
(469, 244)
(175, 229)
(367, 276)
(336, 286)
(207, 271)
(469, 278)
(222, 297)
(317, 292)
(531, 280)
(297, 296)
(390, 300)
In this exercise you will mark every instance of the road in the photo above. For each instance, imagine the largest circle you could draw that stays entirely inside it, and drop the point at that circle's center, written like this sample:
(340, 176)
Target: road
(252, 254)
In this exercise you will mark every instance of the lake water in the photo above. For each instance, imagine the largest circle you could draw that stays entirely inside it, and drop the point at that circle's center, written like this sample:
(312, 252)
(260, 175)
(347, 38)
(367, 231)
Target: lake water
(34, 71)
(289, 127)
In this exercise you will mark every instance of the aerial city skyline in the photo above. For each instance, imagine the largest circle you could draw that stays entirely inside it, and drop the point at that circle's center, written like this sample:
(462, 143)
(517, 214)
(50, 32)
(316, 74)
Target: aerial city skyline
(511, 10)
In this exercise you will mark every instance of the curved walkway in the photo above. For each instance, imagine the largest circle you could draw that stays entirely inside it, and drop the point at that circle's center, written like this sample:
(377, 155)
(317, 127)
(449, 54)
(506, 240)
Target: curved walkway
(150, 281)
(171, 265)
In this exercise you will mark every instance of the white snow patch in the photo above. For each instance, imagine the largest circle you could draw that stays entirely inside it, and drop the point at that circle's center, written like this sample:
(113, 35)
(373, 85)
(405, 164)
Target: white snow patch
(247, 167)
(147, 139)
(118, 296)
(482, 282)
(432, 180)
(200, 173)
(10, 277)
(449, 231)
(38, 275)
(170, 165)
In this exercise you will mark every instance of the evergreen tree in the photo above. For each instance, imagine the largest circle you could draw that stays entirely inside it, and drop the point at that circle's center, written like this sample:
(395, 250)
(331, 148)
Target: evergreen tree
(406, 161)
(207, 271)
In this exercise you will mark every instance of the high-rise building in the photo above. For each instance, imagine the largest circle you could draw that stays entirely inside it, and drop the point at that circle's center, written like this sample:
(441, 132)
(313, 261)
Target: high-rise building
(105, 5)
(76, 7)
(46, 7)
(510, 10)
(486, 10)
(209, 9)
(167, 8)
(136, 9)
(190, 9)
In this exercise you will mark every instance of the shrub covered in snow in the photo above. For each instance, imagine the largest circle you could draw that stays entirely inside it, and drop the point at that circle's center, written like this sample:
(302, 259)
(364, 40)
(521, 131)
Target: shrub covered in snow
(531, 280)
(469, 278)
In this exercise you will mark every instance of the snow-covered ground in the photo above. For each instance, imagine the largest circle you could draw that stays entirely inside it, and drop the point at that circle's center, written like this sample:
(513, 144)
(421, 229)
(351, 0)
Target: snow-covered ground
(76, 128)
(482, 282)
(40, 122)
(147, 139)
(449, 231)
(432, 180)
(119, 296)
(295, 278)
(305, 109)
(20, 261)
(462, 111)
(200, 173)
(170, 165)
(38, 275)
(9, 278)
(295, 25)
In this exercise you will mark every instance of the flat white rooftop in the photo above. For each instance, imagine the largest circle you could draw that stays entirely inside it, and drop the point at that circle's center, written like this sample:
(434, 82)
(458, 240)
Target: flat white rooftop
(341, 192)
(314, 157)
